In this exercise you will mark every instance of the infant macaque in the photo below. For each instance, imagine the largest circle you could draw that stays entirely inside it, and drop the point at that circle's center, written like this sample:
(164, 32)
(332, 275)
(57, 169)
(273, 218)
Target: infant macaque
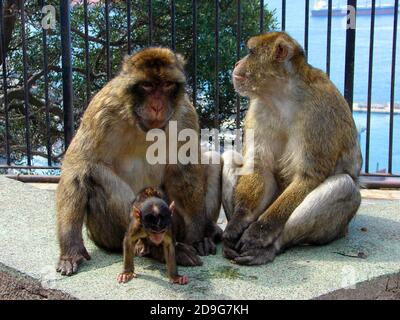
(151, 219)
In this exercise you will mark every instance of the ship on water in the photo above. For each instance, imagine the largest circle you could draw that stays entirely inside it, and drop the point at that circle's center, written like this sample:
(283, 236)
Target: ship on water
(320, 8)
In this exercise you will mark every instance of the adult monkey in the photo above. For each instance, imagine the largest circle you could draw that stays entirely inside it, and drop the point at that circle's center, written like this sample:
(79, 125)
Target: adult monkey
(306, 156)
(105, 165)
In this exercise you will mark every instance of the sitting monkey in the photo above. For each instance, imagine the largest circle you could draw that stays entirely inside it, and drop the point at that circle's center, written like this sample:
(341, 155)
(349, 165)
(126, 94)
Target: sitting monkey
(307, 159)
(151, 219)
(106, 164)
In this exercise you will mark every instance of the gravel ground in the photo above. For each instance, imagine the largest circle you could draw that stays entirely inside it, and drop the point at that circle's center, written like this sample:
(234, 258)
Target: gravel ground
(385, 288)
(14, 288)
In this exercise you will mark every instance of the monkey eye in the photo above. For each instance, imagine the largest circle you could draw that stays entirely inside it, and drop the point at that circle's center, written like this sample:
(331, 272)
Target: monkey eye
(252, 51)
(147, 86)
(169, 85)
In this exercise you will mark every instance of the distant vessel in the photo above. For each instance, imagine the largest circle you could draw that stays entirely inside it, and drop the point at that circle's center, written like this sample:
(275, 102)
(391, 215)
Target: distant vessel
(320, 8)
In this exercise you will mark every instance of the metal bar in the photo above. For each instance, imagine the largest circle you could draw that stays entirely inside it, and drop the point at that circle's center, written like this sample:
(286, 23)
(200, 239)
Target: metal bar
(87, 58)
(238, 40)
(150, 14)
(369, 182)
(376, 182)
(283, 23)
(393, 79)
(66, 71)
(306, 26)
(329, 39)
(108, 53)
(194, 51)
(369, 99)
(216, 45)
(262, 14)
(173, 25)
(46, 90)
(4, 71)
(28, 167)
(350, 53)
(26, 89)
(34, 178)
(128, 22)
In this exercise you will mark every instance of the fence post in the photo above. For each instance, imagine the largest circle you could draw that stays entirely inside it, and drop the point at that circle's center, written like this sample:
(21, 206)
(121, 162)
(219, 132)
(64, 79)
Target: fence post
(350, 52)
(66, 71)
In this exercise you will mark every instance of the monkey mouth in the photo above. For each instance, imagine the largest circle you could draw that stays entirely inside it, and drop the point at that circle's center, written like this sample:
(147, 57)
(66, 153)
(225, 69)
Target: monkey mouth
(157, 238)
(238, 77)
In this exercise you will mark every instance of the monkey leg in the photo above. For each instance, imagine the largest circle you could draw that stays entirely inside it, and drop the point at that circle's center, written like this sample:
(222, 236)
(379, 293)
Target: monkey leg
(185, 255)
(324, 214)
(322, 217)
(108, 208)
(245, 198)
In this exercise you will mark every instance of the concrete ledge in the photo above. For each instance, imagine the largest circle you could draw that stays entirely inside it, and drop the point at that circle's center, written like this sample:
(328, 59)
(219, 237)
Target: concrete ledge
(27, 244)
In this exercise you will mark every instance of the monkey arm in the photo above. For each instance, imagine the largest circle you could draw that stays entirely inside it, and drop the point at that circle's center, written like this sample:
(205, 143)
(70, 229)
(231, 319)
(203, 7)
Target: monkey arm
(185, 185)
(170, 258)
(252, 194)
(130, 241)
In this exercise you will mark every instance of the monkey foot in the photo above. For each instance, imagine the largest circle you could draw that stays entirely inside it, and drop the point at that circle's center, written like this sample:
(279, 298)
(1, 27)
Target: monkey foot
(186, 255)
(255, 257)
(126, 276)
(182, 280)
(205, 247)
(69, 263)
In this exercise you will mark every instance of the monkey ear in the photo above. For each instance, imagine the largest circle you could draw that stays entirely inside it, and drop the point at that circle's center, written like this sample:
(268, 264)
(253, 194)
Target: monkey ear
(181, 59)
(172, 207)
(136, 213)
(283, 50)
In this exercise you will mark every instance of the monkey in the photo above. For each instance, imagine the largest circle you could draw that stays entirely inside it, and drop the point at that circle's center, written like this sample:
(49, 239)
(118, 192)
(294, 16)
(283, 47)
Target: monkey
(151, 219)
(304, 187)
(106, 165)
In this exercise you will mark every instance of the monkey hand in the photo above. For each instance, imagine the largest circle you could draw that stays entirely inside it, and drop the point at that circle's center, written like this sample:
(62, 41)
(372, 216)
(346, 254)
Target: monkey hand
(125, 277)
(68, 263)
(258, 243)
(233, 232)
(182, 280)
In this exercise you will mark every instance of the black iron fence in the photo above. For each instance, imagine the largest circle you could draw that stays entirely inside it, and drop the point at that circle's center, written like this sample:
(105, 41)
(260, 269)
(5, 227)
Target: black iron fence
(148, 23)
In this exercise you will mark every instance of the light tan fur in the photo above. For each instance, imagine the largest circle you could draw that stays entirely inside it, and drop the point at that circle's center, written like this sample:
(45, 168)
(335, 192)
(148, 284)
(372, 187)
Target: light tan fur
(304, 135)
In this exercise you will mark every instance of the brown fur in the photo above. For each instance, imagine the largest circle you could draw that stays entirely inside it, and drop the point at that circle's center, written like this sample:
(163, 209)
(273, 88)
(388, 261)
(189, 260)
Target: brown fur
(105, 165)
(304, 134)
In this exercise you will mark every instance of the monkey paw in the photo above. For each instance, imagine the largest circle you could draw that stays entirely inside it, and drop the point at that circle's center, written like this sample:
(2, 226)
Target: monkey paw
(186, 255)
(125, 277)
(182, 280)
(68, 263)
(205, 247)
(259, 235)
(234, 230)
(255, 257)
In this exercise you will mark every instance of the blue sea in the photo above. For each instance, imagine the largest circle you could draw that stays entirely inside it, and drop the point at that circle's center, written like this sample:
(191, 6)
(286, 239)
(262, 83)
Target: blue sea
(295, 15)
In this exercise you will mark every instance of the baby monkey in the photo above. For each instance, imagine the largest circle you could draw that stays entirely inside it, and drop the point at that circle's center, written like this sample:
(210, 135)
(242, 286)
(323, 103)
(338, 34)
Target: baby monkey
(151, 220)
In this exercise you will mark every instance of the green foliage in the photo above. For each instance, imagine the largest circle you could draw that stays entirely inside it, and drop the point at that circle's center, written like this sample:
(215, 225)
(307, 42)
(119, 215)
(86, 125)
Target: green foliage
(206, 53)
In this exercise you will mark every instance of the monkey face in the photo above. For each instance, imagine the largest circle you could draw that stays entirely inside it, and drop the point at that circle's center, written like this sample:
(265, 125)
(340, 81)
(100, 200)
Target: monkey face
(155, 102)
(272, 57)
(156, 219)
(157, 85)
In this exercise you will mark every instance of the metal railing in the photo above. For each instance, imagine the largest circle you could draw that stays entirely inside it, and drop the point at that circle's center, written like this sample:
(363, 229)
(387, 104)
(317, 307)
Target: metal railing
(67, 67)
